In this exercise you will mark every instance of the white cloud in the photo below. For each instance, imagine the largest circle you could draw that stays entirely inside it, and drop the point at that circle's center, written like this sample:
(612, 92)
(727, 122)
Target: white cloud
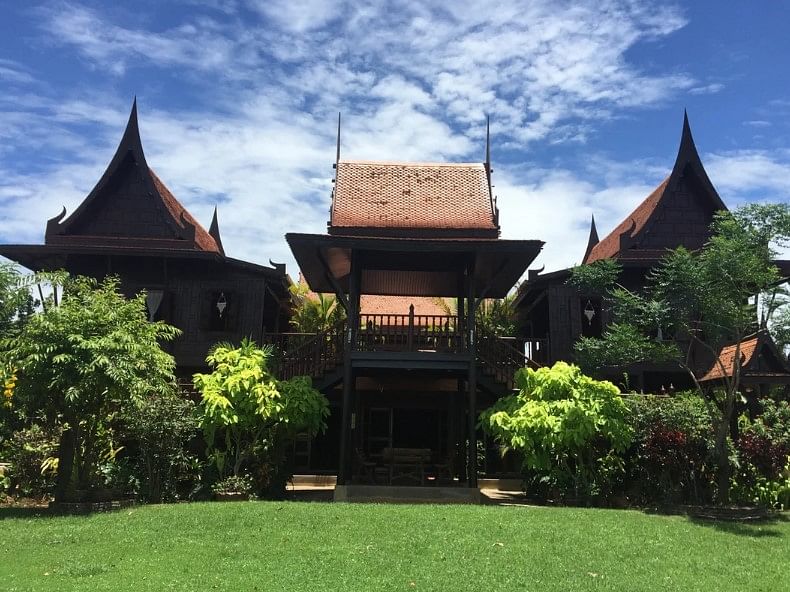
(707, 89)
(750, 174)
(413, 80)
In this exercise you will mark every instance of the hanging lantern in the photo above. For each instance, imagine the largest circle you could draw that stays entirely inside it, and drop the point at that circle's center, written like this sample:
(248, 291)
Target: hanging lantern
(222, 304)
(589, 312)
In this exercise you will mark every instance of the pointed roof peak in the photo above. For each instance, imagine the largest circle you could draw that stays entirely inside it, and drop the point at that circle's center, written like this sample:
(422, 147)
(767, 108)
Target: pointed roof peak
(592, 240)
(213, 231)
(686, 139)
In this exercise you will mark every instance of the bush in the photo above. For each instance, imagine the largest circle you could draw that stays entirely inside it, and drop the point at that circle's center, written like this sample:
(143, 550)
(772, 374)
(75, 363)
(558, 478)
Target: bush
(670, 460)
(570, 428)
(161, 428)
(32, 453)
(762, 473)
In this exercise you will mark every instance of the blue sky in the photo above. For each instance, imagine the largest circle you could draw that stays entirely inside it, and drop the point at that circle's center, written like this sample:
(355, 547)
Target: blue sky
(238, 102)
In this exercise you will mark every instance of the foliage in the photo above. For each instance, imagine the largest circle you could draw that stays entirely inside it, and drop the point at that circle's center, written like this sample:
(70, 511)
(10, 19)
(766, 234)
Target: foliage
(233, 484)
(314, 313)
(704, 300)
(620, 346)
(245, 407)
(670, 457)
(31, 452)
(763, 471)
(16, 303)
(85, 360)
(161, 427)
(569, 427)
(596, 278)
(493, 315)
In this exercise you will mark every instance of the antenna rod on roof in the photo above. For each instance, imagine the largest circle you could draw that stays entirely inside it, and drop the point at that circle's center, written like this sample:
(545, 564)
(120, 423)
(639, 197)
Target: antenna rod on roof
(337, 159)
(488, 144)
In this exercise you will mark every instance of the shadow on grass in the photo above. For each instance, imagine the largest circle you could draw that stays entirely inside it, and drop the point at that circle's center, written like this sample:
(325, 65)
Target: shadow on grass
(759, 528)
(12, 513)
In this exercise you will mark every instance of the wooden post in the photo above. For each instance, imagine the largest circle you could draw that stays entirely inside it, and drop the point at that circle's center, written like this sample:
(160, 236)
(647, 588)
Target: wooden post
(460, 325)
(410, 339)
(472, 380)
(346, 437)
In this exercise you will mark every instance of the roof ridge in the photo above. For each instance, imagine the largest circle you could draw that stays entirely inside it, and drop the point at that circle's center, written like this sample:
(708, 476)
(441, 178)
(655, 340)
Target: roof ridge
(411, 163)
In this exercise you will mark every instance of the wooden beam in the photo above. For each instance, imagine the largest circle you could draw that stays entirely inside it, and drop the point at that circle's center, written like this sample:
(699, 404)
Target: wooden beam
(341, 297)
(346, 435)
(472, 380)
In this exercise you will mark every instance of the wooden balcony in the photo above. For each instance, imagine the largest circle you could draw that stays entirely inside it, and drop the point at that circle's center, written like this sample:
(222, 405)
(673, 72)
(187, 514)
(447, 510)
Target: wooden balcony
(399, 340)
(409, 333)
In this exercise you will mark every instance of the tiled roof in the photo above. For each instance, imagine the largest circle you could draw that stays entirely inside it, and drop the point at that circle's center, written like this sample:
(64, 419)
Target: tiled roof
(727, 359)
(203, 239)
(400, 195)
(423, 305)
(609, 247)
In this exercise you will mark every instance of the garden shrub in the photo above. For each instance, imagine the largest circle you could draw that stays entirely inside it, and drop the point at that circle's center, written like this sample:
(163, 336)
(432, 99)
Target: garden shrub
(161, 428)
(670, 460)
(763, 450)
(570, 428)
(32, 453)
(248, 416)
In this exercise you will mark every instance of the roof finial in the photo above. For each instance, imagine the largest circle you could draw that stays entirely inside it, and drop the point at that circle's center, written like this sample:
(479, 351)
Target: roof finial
(488, 144)
(593, 240)
(213, 231)
(337, 158)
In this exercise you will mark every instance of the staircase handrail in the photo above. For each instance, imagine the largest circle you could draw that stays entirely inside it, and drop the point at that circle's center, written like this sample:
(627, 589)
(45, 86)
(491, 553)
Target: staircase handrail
(499, 358)
(315, 356)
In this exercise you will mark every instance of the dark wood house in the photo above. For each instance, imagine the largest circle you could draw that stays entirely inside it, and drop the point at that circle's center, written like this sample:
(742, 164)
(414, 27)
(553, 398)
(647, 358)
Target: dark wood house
(678, 212)
(131, 225)
(406, 387)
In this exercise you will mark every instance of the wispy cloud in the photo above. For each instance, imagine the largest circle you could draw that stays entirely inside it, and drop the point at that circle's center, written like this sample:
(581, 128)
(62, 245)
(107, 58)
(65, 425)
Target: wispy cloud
(707, 89)
(413, 80)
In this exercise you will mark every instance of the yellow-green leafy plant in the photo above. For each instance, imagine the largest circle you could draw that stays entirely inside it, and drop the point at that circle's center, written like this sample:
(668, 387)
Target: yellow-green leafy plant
(246, 407)
(570, 428)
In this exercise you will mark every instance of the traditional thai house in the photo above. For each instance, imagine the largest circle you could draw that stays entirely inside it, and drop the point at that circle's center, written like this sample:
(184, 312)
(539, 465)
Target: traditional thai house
(678, 212)
(131, 225)
(406, 383)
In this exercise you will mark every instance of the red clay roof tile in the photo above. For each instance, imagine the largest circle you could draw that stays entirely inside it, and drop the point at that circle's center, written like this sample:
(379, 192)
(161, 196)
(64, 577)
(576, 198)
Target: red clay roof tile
(727, 359)
(609, 247)
(402, 195)
(203, 240)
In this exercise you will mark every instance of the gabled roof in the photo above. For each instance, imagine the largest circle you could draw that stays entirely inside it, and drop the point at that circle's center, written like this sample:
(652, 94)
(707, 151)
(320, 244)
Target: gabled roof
(637, 237)
(130, 205)
(759, 358)
(419, 199)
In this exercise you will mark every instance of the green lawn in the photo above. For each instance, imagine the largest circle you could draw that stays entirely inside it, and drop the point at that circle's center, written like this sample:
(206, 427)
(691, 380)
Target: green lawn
(317, 547)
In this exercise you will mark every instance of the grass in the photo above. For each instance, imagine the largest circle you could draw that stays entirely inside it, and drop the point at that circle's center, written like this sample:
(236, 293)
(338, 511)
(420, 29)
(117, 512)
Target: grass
(302, 546)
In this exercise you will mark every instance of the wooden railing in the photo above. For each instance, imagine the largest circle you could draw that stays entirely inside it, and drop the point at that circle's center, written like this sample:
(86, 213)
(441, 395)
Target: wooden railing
(315, 354)
(308, 354)
(409, 332)
(499, 359)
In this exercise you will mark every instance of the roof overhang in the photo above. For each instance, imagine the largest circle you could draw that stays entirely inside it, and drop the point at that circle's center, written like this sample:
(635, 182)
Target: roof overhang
(49, 257)
(412, 267)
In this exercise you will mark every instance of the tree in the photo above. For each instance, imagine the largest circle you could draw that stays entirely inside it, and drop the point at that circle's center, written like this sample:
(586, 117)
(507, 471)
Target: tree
(84, 361)
(16, 303)
(244, 406)
(314, 313)
(569, 427)
(704, 300)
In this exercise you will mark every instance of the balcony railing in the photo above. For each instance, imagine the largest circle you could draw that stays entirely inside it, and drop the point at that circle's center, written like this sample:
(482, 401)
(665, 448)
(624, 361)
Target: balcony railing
(409, 332)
